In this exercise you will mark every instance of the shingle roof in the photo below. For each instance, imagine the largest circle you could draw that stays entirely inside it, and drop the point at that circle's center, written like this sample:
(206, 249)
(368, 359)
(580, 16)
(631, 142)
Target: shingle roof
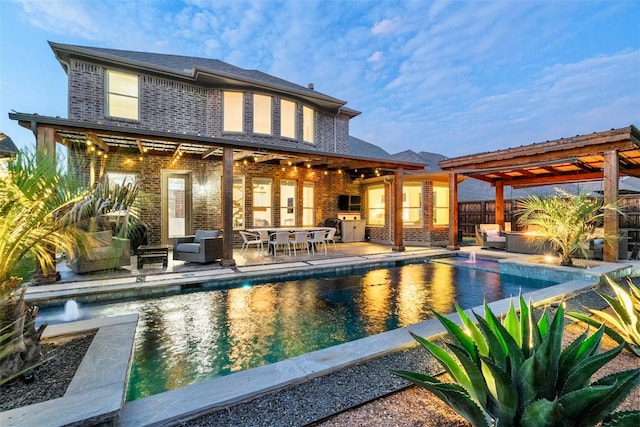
(191, 67)
(6, 145)
(430, 159)
(358, 147)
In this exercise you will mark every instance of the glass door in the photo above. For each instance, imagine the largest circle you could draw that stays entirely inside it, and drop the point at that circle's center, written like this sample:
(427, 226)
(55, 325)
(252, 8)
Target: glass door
(176, 205)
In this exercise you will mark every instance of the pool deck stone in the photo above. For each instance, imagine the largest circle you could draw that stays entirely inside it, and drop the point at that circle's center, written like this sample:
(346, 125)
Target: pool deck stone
(102, 392)
(97, 391)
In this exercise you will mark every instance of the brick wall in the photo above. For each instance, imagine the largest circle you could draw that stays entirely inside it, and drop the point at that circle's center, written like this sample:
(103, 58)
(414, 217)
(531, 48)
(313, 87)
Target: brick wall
(180, 107)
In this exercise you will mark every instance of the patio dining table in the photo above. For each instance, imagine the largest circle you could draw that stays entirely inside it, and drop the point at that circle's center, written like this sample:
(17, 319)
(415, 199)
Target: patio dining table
(272, 230)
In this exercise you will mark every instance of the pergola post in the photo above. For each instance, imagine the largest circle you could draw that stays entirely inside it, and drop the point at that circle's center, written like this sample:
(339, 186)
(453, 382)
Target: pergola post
(500, 204)
(227, 207)
(453, 212)
(611, 173)
(46, 149)
(398, 226)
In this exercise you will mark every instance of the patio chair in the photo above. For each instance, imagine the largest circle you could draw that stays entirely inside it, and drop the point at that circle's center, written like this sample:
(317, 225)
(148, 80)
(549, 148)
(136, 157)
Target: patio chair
(279, 238)
(330, 237)
(300, 241)
(203, 247)
(491, 237)
(249, 239)
(318, 238)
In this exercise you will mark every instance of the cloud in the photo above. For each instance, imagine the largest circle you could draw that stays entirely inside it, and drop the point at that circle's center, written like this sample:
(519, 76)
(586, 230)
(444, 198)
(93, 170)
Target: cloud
(375, 57)
(387, 26)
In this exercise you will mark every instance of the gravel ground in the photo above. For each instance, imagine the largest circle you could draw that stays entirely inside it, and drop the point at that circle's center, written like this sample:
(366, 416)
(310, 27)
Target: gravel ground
(364, 395)
(51, 378)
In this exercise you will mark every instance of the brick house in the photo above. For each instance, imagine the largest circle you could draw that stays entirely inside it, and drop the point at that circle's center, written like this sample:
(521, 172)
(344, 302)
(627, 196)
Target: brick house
(218, 146)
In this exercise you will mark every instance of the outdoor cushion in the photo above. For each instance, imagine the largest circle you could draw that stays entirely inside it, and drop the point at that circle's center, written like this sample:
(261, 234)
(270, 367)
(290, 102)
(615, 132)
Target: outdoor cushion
(193, 248)
(494, 236)
(102, 238)
(200, 234)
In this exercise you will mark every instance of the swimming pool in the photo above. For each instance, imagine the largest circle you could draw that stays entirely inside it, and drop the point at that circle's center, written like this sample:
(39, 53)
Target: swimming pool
(187, 338)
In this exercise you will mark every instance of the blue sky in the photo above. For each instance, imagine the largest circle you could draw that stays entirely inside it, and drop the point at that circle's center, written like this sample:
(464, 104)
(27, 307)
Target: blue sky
(453, 77)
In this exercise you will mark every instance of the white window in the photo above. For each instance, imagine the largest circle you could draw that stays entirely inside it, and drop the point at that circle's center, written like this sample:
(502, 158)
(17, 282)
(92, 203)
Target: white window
(121, 94)
(308, 124)
(262, 114)
(440, 204)
(287, 202)
(232, 111)
(287, 119)
(412, 204)
(262, 207)
(308, 210)
(375, 205)
(238, 202)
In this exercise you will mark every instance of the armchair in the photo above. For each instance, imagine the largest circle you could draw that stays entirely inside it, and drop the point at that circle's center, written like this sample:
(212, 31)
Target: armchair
(489, 236)
(203, 247)
(110, 252)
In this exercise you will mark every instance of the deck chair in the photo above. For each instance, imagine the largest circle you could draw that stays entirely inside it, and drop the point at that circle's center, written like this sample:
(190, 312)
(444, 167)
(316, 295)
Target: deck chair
(279, 238)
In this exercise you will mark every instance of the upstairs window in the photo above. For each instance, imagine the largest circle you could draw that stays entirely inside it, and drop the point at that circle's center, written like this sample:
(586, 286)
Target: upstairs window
(262, 114)
(232, 111)
(308, 124)
(287, 119)
(121, 95)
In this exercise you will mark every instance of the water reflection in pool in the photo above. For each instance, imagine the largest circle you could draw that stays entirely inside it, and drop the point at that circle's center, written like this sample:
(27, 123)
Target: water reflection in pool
(183, 339)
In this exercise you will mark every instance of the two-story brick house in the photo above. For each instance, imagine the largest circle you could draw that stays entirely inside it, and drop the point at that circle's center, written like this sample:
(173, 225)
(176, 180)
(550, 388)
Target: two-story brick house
(218, 146)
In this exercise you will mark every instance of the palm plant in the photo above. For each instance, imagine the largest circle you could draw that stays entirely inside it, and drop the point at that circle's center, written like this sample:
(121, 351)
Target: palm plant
(39, 209)
(514, 373)
(624, 324)
(567, 221)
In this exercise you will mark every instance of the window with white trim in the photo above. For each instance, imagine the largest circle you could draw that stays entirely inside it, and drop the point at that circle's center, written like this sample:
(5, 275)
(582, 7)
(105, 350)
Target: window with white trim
(261, 114)
(308, 209)
(412, 204)
(287, 119)
(232, 110)
(440, 204)
(262, 206)
(287, 202)
(308, 124)
(375, 205)
(238, 202)
(121, 95)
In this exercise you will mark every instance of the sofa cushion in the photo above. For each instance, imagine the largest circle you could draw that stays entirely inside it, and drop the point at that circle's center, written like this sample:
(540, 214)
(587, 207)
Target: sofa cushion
(200, 234)
(102, 238)
(193, 248)
(494, 236)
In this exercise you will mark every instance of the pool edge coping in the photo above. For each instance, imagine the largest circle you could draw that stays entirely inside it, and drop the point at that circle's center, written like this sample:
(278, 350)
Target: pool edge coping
(97, 391)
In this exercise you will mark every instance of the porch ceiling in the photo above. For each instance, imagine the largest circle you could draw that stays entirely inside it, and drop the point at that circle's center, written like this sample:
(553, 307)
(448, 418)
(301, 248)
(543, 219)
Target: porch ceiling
(110, 139)
(580, 158)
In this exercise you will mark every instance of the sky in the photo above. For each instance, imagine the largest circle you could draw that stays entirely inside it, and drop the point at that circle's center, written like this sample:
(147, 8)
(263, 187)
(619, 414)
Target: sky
(447, 77)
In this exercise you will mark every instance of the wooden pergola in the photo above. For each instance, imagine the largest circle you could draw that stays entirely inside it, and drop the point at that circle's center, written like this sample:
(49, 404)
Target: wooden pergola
(601, 156)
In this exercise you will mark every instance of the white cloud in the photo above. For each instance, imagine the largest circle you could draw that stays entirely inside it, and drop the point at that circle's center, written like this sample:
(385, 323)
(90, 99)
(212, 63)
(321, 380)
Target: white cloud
(387, 26)
(375, 57)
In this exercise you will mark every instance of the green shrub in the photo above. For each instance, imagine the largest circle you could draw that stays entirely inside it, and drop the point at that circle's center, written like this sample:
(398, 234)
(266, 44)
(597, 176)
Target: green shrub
(514, 373)
(624, 325)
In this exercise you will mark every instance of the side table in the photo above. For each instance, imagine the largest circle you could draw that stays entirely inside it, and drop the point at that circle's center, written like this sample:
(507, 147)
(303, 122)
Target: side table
(151, 254)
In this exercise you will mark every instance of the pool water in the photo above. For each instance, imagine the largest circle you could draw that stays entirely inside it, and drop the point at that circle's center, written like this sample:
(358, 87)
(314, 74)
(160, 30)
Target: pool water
(187, 338)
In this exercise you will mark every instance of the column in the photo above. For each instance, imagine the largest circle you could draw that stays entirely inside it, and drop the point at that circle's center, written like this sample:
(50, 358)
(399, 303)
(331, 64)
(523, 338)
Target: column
(398, 226)
(611, 174)
(227, 207)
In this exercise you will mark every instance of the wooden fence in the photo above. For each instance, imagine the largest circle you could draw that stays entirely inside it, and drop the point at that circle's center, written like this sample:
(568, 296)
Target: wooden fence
(484, 212)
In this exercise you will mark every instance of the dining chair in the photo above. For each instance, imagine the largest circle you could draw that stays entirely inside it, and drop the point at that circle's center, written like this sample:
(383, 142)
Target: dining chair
(317, 239)
(280, 238)
(300, 241)
(249, 238)
(330, 237)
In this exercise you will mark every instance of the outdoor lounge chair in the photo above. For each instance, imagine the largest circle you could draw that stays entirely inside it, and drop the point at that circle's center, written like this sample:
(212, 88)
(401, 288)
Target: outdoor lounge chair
(110, 252)
(490, 236)
(203, 247)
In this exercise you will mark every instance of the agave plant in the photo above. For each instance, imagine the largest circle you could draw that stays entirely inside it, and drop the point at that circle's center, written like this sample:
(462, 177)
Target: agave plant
(624, 325)
(514, 372)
